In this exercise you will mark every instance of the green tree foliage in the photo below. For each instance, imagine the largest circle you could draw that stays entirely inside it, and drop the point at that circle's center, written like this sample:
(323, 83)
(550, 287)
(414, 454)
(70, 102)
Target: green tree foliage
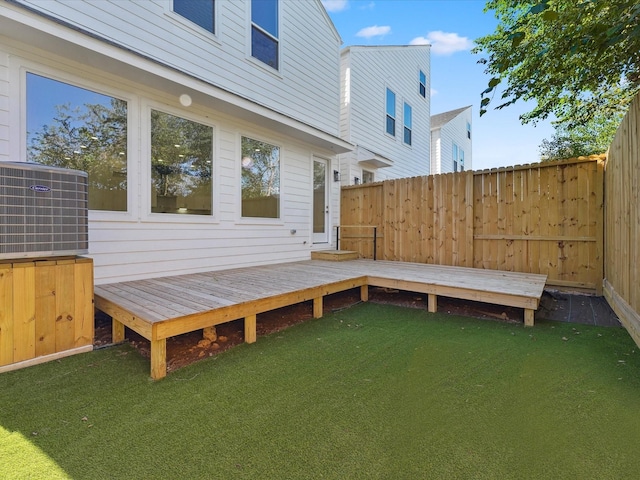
(593, 137)
(181, 155)
(91, 138)
(575, 58)
(260, 169)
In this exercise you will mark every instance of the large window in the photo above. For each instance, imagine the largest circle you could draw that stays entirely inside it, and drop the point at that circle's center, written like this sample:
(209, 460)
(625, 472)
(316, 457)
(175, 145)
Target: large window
(200, 12)
(391, 113)
(181, 156)
(423, 84)
(407, 123)
(72, 127)
(260, 179)
(264, 31)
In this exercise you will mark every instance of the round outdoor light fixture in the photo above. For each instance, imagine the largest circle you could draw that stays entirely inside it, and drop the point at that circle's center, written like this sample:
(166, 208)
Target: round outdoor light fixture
(185, 100)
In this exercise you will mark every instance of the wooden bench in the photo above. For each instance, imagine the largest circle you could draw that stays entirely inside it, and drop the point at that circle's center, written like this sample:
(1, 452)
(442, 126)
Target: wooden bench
(164, 307)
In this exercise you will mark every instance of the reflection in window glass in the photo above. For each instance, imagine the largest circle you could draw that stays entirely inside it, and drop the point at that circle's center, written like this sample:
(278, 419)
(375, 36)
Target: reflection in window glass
(181, 156)
(260, 179)
(391, 113)
(423, 84)
(71, 127)
(408, 123)
(200, 12)
(264, 31)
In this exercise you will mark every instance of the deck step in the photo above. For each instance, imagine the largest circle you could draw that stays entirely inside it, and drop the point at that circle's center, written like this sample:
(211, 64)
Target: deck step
(334, 255)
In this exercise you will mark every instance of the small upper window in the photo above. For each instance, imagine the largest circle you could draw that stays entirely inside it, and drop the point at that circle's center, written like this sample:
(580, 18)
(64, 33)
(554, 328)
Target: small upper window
(264, 31)
(423, 84)
(200, 12)
(468, 130)
(455, 157)
(407, 124)
(391, 113)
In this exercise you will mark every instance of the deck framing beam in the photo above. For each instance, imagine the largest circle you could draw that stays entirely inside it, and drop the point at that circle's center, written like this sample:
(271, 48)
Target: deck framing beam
(119, 300)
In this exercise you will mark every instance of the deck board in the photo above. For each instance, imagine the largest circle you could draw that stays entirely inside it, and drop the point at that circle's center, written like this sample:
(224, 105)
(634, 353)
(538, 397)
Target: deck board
(161, 307)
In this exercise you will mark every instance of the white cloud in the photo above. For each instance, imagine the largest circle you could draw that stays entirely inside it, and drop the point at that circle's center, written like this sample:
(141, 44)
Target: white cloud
(374, 31)
(419, 41)
(434, 92)
(443, 43)
(334, 5)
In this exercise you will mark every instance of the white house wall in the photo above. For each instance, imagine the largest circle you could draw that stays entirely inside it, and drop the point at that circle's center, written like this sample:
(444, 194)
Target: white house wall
(137, 244)
(371, 71)
(436, 150)
(306, 87)
(455, 131)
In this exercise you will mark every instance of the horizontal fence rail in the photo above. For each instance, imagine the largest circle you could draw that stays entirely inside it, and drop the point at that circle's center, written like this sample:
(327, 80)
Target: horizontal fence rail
(542, 218)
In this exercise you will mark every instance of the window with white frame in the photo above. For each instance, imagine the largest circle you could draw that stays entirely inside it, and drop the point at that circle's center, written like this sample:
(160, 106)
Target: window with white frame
(200, 12)
(455, 157)
(391, 113)
(367, 176)
(260, 179)
(264, 32)
(461, 160)
(73, 127)
(181, 160)
(423, 84)
(407, 123)
(468, 130)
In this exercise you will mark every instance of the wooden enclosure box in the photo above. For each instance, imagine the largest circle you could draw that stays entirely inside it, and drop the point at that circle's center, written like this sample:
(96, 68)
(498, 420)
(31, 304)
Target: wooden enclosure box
(46, 310)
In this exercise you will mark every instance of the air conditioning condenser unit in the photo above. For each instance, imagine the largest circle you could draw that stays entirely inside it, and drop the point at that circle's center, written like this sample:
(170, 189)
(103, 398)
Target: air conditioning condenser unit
(43, 211)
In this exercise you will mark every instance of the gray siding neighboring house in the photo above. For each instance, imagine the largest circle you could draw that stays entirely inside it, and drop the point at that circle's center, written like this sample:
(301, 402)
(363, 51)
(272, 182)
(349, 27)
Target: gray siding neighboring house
(451, 141)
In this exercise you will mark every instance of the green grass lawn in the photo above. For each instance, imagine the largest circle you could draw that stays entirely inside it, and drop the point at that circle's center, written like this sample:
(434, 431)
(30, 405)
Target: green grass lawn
(371, 392)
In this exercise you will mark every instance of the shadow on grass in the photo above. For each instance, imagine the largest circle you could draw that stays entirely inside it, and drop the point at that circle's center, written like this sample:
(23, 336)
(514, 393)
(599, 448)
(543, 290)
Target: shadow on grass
(374, 391)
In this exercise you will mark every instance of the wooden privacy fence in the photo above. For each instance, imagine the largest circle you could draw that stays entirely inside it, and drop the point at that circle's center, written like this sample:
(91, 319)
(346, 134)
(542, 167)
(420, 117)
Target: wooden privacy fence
(622, 225)
(542, 218)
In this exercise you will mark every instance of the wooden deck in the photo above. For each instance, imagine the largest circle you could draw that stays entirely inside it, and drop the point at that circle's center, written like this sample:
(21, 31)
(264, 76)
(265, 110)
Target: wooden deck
(163, 307)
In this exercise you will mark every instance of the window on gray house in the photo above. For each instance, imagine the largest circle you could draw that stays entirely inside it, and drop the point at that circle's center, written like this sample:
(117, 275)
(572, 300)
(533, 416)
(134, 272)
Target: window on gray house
(423, 84)
(260, 179)
(264, 31)
(72, 127)
(468, 130)
(181, 157)
(407, 123)
(391, 113)
(200, 12)
(455, 157)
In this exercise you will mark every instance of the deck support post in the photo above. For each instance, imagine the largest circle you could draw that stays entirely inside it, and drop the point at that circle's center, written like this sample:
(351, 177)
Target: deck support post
(250, 334)
(528, 317)
(364, 293)
(432, 303)
(317, 307)
(117, 331)
(158, 359)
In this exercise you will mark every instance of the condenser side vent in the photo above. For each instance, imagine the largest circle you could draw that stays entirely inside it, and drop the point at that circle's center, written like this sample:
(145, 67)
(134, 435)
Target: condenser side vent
(43, 211)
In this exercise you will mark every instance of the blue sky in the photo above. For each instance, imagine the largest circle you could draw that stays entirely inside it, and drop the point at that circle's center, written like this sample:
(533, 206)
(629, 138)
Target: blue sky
(457, 80)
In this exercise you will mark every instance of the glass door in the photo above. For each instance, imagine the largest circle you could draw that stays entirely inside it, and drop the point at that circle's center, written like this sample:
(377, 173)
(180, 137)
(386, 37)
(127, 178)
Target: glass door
(320, 201)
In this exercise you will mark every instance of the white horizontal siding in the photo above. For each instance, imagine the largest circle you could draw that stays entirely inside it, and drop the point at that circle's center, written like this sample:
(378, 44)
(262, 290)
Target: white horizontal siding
(306, 88)
(4, 106)
(372, 71)
(142, 245)
(455, 131)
